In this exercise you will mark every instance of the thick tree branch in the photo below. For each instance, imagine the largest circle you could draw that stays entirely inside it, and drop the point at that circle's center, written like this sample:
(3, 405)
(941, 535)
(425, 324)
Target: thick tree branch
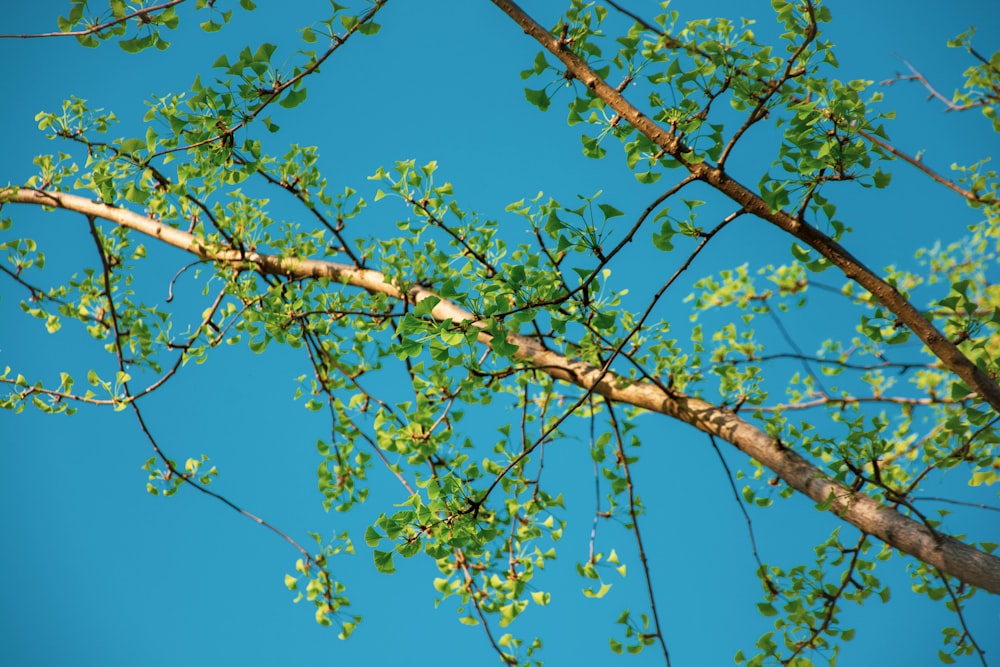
(854, 269)
(947, 553)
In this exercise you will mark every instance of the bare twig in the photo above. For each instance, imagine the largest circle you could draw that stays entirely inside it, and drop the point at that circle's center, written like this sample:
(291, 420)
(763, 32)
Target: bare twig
(915, 75)
(761, 570)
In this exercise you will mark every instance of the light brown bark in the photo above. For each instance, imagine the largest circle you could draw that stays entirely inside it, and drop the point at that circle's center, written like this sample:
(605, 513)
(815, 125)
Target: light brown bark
(947, 553)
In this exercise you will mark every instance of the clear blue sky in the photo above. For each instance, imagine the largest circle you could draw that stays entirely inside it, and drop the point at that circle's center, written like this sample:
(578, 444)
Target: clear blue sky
(94, 571)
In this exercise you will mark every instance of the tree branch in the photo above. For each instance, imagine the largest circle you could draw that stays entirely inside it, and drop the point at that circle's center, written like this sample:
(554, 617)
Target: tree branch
(947, 553)
(915, 75)
(141, 14)
(915, 161)
(853, 268)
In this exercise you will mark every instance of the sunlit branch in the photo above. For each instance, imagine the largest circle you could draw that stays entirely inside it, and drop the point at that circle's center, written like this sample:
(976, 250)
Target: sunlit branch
(953, 556)
(162, 181)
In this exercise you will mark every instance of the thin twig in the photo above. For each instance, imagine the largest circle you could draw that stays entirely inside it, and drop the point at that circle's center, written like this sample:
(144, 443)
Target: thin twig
(761, 570)
(634, 519)
(141, 14)
(957, 608)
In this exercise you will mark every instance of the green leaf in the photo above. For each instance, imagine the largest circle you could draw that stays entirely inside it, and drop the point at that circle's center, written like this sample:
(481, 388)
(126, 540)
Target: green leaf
(537, 97)
(663, 240)
(881, 178)
(540, 598)
(346, 629)
(293, 98)
(425, 306)
(610, 211)
(132, 145)
(592, 147)
(135, 45)
(383, 562)
(264, 52)
(410, 548)
(502, 347)
(599, 593)
(766, 609)
(826, 504)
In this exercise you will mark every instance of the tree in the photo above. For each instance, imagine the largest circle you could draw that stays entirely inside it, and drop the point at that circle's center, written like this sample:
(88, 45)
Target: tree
(453, 355)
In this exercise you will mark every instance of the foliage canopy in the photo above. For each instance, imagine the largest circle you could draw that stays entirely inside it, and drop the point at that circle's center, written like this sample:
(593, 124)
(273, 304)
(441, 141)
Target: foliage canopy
(450, 352)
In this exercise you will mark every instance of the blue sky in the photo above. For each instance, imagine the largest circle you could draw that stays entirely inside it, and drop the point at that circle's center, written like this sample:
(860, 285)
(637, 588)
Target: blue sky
(94, 571)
